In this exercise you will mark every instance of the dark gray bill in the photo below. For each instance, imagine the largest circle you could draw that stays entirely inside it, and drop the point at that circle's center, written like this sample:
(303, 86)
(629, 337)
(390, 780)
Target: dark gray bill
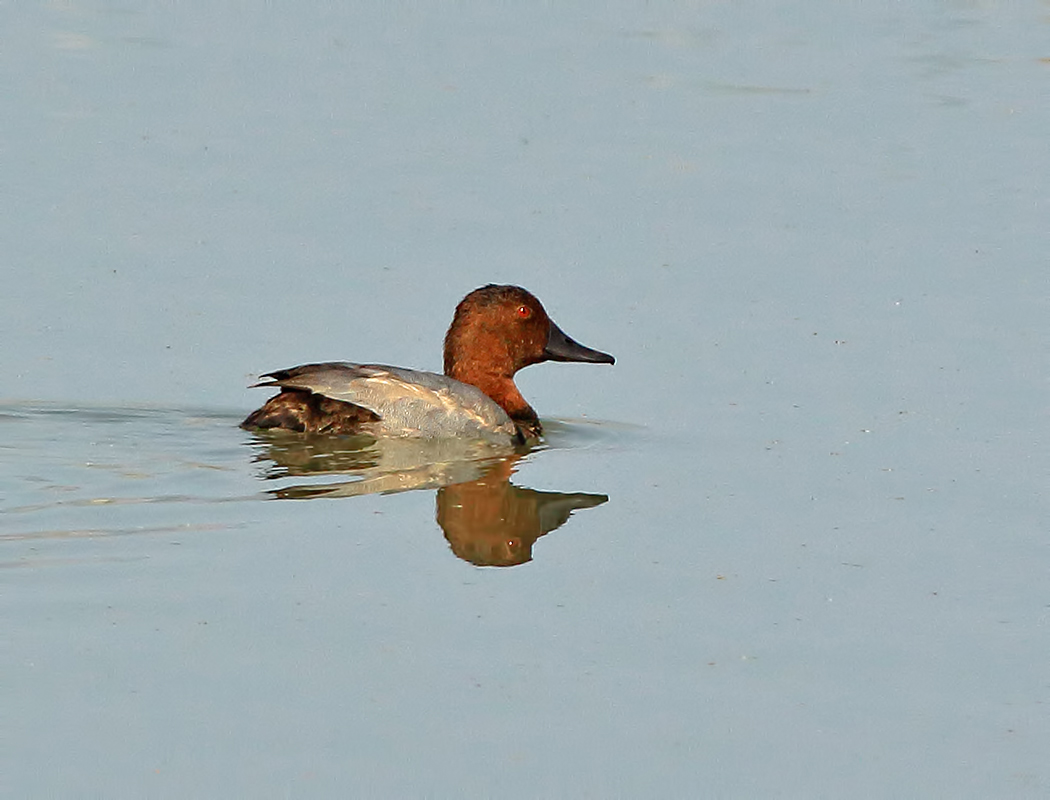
(561, 348)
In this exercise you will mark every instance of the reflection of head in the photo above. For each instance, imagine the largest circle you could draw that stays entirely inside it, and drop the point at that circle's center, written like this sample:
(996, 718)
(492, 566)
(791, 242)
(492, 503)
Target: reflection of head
(485, 552)
(492, 523)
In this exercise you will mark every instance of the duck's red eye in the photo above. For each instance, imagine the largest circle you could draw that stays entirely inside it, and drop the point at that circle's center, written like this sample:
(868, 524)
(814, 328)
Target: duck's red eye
(524, 312)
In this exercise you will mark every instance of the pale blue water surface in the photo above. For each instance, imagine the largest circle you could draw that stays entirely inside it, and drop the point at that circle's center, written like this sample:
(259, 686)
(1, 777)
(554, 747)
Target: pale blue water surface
(794, 544)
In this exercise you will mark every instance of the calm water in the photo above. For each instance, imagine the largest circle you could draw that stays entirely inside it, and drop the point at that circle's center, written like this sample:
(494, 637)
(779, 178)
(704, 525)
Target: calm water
(795, 543)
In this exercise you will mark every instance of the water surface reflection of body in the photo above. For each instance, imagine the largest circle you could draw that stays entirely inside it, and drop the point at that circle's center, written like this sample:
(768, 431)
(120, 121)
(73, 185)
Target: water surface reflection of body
(486, 519)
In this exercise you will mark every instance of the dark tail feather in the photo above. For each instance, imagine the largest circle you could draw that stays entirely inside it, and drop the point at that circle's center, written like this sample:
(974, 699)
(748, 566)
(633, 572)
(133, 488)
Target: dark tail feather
(304, 412)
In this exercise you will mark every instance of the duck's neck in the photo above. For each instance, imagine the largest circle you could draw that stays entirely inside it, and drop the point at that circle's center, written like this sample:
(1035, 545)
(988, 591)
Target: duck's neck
(501, 388)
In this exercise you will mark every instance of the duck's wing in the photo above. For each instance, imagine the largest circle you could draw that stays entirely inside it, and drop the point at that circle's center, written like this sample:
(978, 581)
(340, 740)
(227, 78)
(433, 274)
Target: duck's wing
(409, 402)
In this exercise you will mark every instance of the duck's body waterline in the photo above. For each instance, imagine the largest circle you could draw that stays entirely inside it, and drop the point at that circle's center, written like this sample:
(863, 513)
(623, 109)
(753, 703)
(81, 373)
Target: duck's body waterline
(496, 331)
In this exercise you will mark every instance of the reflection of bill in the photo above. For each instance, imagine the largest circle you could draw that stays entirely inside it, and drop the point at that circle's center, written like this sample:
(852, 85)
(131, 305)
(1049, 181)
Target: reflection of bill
(487, 520)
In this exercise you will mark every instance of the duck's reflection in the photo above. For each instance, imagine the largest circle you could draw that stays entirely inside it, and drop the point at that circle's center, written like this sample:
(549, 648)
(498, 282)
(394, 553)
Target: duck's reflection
(491, 522)
(487, 520)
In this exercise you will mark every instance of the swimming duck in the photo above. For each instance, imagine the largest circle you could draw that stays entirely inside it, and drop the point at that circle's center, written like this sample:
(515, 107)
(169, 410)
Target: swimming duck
(496, 331)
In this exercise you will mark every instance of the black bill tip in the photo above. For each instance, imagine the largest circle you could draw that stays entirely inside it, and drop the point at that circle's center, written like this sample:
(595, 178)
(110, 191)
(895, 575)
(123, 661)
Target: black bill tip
(562, 348)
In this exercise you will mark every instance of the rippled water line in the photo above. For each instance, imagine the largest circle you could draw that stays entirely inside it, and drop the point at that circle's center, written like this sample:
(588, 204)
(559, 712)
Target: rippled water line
(93, 533)
(128, 501)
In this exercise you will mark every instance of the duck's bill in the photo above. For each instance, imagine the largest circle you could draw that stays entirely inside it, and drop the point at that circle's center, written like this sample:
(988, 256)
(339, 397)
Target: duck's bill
(561, 348)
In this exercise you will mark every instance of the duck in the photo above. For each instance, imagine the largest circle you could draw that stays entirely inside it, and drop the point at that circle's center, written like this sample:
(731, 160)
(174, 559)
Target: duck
(495, 332)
